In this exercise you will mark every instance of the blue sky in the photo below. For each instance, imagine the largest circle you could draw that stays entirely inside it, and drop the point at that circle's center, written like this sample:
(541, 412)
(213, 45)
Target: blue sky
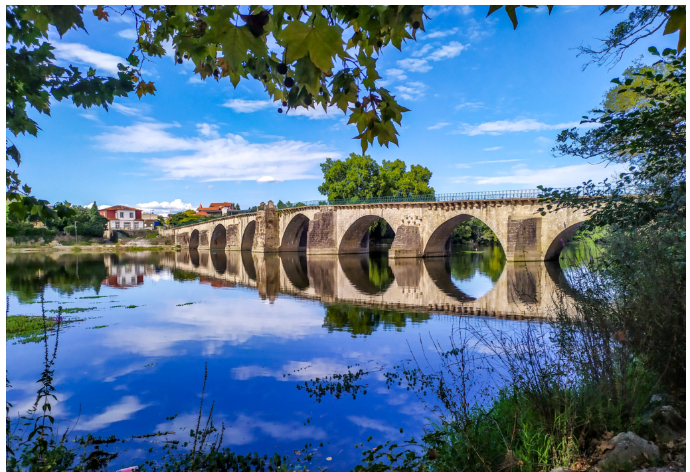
(486, 105)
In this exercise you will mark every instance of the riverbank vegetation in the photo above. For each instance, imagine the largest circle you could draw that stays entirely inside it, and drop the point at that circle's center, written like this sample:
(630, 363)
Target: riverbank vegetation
(616, 340)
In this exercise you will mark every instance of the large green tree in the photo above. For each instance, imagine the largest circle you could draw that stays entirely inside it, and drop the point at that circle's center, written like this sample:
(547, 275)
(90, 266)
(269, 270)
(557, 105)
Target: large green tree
(360, 176)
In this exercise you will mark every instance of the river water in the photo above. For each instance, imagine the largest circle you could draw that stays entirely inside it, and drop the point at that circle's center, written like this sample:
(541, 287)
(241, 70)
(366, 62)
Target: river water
(264, 325)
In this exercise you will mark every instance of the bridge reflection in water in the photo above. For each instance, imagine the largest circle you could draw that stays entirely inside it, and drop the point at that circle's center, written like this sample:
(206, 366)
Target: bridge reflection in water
(420, 285)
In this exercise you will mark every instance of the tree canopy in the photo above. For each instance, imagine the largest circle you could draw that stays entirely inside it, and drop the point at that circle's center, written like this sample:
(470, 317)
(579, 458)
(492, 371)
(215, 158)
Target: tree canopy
(360, 176)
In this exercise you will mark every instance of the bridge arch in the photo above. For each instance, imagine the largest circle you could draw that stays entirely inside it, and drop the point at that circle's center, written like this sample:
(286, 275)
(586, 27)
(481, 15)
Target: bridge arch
(194, 239)
(218, 237)
(356, 237)
(248, 236)
(295, 234)
(439, 241)
(558, 243)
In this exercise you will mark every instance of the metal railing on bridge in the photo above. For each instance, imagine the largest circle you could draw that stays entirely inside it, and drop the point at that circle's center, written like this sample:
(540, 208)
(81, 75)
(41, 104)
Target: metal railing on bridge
(434, 197)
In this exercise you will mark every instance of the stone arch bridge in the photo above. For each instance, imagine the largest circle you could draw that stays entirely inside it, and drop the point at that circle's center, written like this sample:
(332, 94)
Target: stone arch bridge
(422, 229)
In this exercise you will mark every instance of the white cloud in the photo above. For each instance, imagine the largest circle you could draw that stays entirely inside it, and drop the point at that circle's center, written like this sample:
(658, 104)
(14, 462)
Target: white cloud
(463, 166)
(298, 371)
(128, 34)
(81, 54)
(267, 179)
(316, 113)
(508, 126)
(411, 91)
(129, 111)
(414, 65)
(247, 106)
(438, 125)
(495, 148)
(448, 51)
(555, 176)
(376, 425)
(225, 158)
(122, 411)
(91, 117)
(396, 74)
(208, 130)
(440, 33)
(422, 51)
(165, 208)
(543, 140)
(441, 9)
(473, 105)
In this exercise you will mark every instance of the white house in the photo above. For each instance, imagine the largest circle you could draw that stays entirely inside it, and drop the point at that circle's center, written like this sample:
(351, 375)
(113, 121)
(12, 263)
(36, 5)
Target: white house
(123, 217)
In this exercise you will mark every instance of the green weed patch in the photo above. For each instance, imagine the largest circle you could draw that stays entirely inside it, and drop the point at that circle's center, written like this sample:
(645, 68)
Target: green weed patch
(69, 311)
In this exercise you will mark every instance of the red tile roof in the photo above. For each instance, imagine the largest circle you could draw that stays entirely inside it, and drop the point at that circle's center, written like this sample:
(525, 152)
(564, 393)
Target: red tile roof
(119, 207)
(214, 206)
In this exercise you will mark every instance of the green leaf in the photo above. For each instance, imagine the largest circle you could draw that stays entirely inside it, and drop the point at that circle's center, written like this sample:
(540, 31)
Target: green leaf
(510, 10)
(676, 22)
(322, 41)
(494, 8)
(237, 43)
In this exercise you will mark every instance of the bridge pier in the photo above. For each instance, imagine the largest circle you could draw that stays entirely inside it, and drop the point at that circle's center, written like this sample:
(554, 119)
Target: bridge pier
(321, 236)
(266, 233)
(407, 243)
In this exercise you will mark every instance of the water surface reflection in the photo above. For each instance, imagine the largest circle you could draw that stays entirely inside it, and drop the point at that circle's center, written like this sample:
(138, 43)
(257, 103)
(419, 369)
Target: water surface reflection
(264, 324)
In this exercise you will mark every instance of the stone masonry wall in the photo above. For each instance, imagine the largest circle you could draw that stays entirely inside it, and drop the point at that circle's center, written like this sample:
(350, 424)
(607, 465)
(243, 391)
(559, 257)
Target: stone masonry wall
(321, 237)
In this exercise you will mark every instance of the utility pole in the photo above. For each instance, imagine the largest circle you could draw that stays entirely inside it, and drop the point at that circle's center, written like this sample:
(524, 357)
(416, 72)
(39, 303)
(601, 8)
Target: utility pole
(76, 240)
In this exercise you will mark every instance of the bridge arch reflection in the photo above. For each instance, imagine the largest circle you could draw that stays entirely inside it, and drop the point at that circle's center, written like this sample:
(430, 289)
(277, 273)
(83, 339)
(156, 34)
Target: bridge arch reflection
(521, 289)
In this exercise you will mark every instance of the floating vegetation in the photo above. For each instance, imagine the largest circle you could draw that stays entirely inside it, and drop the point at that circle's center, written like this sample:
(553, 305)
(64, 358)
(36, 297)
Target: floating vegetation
(336, 385)
(133, 306)
(36, 301)
(69, 311)
(98, 327)
(149, 365)
(97, 296)
(30, 328)
(183, 304)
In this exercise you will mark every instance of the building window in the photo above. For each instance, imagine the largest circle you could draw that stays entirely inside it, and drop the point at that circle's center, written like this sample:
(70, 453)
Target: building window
(136, 225)
(133, 279)
(117, 225)
(131, 215)
(127, 225)
(122, 214)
